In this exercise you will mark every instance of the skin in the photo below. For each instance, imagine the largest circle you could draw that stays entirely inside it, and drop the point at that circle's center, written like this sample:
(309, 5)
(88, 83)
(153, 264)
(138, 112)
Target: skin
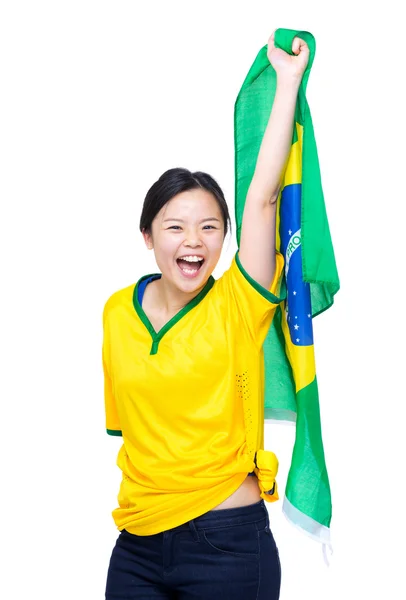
(190, 223)
(169, 239)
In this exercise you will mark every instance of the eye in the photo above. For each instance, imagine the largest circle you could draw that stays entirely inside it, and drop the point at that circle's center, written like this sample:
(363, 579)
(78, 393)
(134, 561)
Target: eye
(211, 226)
(174, 227)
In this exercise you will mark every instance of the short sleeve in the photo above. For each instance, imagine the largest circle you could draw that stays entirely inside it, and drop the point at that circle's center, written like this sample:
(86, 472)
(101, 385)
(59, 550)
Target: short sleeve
(113, 426)
(250, 305)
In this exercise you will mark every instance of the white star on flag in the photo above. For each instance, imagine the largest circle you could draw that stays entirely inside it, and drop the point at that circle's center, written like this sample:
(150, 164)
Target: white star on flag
(290, 232)
(296, 326)
(294, 293)
(297, 339)
(309, 316)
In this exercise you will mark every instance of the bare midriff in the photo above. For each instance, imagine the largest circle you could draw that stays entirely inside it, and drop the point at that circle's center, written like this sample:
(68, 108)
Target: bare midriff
(247, 493)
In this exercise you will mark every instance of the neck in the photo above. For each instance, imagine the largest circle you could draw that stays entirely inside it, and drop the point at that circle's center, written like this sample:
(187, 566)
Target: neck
(169, 298)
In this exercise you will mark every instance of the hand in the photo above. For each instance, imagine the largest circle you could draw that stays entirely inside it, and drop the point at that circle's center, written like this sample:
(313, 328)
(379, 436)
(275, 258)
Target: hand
(285, 65)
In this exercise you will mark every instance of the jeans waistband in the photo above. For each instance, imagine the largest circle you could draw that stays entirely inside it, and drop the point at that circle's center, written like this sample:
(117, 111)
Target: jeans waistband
(229, 516)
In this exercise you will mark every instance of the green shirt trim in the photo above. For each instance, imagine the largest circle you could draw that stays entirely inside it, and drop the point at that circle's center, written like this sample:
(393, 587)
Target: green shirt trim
(263, 291)
(114, 432)
(157, 336)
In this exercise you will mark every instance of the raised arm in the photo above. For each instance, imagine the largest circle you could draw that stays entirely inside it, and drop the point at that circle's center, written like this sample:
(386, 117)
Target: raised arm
(257, 242)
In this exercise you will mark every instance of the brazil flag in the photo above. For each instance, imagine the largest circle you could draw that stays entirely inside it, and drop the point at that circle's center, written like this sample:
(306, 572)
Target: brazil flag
(311, 280)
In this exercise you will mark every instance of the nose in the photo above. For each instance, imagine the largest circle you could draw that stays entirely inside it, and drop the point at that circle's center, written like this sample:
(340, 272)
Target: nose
(193, 243)
(192, 240)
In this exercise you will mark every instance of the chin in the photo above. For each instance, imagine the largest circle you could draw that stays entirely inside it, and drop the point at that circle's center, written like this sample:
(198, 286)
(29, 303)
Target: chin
(194, 283)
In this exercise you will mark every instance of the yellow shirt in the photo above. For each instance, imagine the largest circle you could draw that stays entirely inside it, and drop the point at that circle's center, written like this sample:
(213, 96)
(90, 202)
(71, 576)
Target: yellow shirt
(188, 400)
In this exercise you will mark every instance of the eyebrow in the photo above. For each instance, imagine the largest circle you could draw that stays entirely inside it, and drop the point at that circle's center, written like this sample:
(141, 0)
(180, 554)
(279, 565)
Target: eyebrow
(202, 221)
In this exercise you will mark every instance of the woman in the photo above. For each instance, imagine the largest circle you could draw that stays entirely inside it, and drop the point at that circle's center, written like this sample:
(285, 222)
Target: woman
(182, 357)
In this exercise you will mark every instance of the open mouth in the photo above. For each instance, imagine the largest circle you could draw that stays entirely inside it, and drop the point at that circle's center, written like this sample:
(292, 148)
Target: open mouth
(190, 266)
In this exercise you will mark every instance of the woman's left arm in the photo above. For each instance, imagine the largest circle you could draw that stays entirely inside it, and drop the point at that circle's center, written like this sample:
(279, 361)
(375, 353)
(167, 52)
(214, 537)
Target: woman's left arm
(257, 242)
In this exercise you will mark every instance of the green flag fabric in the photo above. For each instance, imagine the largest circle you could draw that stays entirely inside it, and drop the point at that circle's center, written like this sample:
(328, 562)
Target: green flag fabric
(310, 277)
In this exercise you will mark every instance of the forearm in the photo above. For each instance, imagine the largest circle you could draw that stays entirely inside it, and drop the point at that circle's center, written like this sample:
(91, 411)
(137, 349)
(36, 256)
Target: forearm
(276, 143)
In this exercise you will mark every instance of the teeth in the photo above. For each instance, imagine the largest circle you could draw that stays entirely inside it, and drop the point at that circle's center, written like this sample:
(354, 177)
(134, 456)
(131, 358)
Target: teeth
(191, 258)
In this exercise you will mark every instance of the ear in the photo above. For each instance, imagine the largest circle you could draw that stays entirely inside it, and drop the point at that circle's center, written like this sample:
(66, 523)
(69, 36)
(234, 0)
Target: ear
(147, 239)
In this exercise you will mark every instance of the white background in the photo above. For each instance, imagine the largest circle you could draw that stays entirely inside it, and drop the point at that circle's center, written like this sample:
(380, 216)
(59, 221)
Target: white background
(97, 100)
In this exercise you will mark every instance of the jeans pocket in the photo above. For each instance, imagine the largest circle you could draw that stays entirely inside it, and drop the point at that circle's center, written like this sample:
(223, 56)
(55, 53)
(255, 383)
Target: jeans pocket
(236, 540)
(267, 527)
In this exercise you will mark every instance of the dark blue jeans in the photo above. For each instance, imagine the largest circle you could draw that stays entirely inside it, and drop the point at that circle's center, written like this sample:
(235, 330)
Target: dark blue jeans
(225, 554)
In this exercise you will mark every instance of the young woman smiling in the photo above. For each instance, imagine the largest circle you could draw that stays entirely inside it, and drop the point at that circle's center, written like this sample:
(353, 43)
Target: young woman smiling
(182, 357)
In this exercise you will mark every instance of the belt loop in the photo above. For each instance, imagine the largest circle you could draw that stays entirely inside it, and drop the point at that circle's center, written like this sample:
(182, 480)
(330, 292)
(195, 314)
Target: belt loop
(194, 531)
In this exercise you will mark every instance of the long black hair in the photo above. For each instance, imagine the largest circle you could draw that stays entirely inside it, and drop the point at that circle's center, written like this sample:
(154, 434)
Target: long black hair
(173, 182)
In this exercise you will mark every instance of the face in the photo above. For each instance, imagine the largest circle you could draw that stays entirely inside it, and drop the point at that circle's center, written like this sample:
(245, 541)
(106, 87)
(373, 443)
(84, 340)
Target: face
(187, 237)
